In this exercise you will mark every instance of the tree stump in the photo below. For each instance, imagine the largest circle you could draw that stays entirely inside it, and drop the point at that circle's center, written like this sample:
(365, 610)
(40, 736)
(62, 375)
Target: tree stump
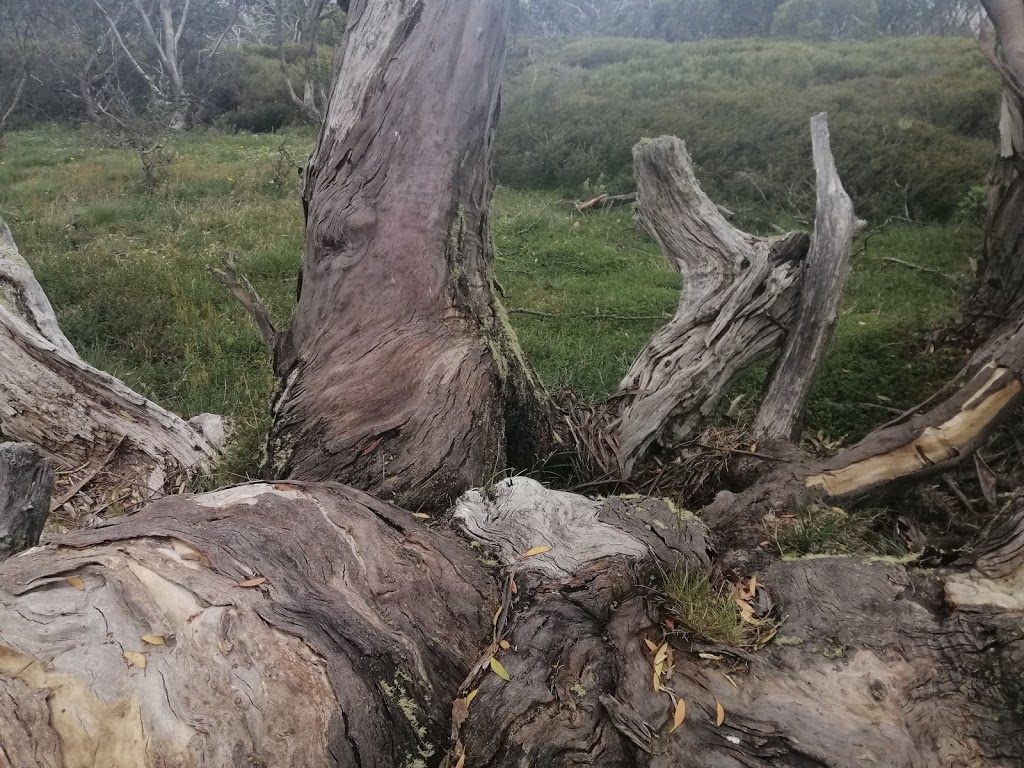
(26, 485)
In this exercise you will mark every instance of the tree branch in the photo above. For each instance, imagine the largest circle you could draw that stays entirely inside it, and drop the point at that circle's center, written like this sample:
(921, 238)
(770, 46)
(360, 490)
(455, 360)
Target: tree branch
(243, 290)
(821, 292)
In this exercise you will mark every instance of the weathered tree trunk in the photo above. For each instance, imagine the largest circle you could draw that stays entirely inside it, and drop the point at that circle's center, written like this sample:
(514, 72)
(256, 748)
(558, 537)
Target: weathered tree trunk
(998, 293)
(26, 485)
(740, 293)
(821, 293)
(83, 418)
(313, 625)
(400, 374)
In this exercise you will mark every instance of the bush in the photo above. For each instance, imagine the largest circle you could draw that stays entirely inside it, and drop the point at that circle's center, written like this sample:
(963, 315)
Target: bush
(912, 119)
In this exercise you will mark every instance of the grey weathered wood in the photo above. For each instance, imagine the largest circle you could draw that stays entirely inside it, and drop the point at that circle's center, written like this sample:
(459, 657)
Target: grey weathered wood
(26, 485)
(998, 292)
(821, 292)
(372, 625)
(739, 294)
(51, 397)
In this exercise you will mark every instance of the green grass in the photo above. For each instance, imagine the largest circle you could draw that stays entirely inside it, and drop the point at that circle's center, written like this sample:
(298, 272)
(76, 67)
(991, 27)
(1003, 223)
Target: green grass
(126, 269)
(821, 530)
(704, 608)
(912, 120)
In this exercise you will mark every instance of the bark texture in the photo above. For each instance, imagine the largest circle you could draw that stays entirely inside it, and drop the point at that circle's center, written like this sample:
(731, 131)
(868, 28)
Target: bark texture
(821, 293)
(26, 485)
(924, 442)
(998, 293)
(76, 414)
(400, 374)
(740, 293)
(135, 644)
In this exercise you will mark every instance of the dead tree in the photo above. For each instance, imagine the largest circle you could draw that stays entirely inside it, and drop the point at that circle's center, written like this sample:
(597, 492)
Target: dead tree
(306, 18)
(303, 622)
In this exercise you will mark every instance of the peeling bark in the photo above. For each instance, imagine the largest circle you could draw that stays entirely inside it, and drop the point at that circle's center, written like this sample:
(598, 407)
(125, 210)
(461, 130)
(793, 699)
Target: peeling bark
(400, 374)
(26, 484)
(76, 414)
(998, 293)
(921, 444)
(372, 628)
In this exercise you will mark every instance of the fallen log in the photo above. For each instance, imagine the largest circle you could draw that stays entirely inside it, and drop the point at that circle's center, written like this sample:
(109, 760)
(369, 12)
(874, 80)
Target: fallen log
(26, 485)
(604, 201)
(314, 625)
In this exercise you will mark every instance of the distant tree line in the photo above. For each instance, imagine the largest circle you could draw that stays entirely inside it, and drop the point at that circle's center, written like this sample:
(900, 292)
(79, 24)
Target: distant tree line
(679, 20)
(116, 62)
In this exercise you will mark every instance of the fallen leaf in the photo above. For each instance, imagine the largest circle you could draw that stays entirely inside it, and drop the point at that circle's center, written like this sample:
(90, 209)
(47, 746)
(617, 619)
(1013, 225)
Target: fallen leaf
(153, 639)
(136, 659)
(753, 586)
(670, 624)
(76, 582)
(662, 654)
(461, 761)
(253, 582)
(710, 656)
(651, 644)
(536, 551)
(504, 645)
(719, 714)
(421, 515)
(471, 695)
(512, 587)
(731, 681)
(497, 613)
(659, 666)
(499, 670)
(679, 715)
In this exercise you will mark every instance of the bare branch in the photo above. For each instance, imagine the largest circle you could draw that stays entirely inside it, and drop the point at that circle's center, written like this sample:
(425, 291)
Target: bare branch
(828, 264)
(243, 290)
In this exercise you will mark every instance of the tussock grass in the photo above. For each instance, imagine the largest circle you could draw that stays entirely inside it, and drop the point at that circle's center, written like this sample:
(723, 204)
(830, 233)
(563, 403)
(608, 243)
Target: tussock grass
(821, 530)
(704, 608)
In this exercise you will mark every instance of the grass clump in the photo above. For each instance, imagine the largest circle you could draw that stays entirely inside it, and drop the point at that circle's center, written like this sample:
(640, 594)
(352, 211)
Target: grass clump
(817, 529)
(706, 609)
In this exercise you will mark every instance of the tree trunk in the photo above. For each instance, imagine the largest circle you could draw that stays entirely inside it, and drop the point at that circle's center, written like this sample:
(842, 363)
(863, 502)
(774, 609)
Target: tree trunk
(311, 625)
(998, 293)
(740, 294)
(400, 374)
(83, 418)
(26, 484)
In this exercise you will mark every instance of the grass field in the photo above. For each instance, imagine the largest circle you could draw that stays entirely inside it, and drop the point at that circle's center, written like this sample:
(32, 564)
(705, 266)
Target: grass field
(126, 268)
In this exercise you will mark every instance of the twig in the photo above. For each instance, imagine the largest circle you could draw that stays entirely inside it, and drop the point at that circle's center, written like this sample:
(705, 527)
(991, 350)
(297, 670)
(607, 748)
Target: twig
(242, 290)
(920, 268)
(740, 451)
(581, 316)
(73, 490)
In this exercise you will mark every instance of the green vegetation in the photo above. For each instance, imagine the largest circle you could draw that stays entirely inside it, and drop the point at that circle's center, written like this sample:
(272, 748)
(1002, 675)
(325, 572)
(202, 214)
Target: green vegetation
(704, 608)
(126, 267)
(821, 530)
(912, 120)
